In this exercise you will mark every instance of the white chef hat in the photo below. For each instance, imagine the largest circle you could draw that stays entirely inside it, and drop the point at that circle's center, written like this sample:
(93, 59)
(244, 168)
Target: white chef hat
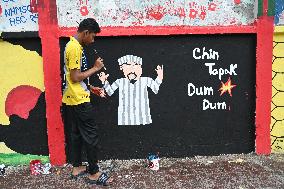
(129, 58)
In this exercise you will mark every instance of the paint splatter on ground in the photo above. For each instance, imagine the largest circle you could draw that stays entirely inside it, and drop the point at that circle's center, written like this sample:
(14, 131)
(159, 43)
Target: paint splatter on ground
(225, 171)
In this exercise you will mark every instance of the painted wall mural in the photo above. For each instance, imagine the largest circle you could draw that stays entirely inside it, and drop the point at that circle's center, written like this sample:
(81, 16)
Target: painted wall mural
(157, 12)
(277, 105)
(204, 105)
(134, 106)
(212, 56)
(18, 81)
(21, 88)
(16, 16)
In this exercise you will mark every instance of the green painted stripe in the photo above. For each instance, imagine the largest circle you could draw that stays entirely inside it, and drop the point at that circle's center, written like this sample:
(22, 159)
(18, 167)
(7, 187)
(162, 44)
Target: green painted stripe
(20, 159)
(271, 8)
(260, 8)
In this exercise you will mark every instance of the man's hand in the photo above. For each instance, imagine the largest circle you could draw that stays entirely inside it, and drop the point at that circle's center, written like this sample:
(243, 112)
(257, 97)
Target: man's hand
(99, 64)
(77, 75)
(103, 77)
(160, 72)
(98, 91)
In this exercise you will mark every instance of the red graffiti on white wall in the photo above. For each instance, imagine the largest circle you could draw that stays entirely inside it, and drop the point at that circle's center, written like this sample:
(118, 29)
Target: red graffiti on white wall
(160, 11)
(212, 7)
(196, 10)
(237, 1)
(202, 12)
(156, 12)
(193, 10)
(83, 7)
(174, 10)
(139, 17)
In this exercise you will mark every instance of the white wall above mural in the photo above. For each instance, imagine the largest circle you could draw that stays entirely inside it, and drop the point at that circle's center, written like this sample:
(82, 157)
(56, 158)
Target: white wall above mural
(157, 12)
(17, 15)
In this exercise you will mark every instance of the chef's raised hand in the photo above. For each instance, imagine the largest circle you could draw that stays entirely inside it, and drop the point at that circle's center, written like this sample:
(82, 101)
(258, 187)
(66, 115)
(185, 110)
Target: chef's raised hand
(160, 71)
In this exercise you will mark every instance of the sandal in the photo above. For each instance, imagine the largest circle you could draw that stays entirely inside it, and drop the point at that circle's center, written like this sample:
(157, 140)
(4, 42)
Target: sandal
(75, 177)
(102, 180)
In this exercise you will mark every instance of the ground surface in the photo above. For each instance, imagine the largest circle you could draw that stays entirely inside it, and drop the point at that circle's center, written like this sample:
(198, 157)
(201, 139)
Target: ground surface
(224, 171)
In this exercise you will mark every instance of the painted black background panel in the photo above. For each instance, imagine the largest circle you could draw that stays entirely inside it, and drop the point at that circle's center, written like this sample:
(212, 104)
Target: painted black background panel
(32, 44)
(19, 35)
(180, 127)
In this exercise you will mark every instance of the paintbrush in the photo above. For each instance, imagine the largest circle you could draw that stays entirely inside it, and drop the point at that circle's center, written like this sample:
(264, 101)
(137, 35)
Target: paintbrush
(97, 56)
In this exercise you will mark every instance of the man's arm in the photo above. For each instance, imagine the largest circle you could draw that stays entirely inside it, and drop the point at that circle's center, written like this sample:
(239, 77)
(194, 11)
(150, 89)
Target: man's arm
(76, 75)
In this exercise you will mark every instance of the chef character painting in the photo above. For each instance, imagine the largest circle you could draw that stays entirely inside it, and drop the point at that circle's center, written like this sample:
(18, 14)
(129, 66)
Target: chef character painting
(133, 108)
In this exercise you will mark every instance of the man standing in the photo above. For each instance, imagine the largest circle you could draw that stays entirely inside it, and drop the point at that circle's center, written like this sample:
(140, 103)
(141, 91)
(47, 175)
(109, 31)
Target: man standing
(133, 106)
(78, 111)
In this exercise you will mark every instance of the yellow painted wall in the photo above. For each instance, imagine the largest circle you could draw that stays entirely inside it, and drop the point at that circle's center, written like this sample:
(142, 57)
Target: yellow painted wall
(277, 106)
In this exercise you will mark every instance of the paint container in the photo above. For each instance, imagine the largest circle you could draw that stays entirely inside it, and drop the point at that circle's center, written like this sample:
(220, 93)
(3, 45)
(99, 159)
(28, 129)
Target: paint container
(45, 169)
(153, 162)
(35, 167)
(2, 170)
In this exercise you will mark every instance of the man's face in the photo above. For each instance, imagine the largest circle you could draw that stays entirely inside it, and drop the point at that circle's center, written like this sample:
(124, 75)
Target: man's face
(89, 37)
(131, 70)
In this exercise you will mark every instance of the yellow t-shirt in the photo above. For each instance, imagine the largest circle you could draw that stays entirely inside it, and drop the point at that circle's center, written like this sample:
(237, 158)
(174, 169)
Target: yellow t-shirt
(74, 93)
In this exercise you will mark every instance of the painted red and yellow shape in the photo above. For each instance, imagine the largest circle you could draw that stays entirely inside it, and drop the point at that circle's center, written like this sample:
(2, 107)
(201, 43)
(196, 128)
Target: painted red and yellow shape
(227, 87)
(21, 81)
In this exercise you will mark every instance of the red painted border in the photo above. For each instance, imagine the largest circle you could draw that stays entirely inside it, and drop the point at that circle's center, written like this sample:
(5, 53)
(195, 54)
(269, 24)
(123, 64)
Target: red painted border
(48, 32)
(265, 28)
(164, 30)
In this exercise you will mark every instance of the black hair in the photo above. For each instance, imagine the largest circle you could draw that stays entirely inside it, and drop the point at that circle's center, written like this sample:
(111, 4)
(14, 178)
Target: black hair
(89, 24)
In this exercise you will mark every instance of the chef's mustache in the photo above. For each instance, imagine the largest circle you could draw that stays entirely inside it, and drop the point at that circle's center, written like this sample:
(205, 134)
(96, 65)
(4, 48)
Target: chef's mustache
(132, 73)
